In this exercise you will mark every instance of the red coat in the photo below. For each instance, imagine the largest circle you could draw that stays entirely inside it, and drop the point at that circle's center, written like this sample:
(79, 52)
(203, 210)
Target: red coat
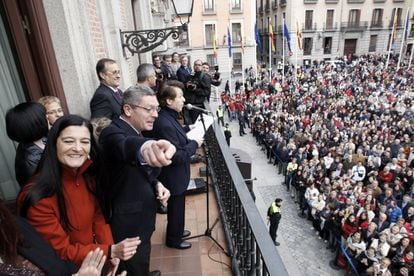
(385, 177)
(90, 229)
(348, 229)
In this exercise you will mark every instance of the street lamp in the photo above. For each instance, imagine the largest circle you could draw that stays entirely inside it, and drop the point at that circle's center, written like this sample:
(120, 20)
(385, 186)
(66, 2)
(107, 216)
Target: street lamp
(142, 41)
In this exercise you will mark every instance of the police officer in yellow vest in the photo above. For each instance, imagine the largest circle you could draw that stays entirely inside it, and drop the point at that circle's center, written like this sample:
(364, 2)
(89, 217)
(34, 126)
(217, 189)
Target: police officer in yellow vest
(274, 215)
(220, 115)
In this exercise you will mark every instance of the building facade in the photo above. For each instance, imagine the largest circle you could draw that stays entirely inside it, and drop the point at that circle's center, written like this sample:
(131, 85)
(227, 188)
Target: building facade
(333, 29)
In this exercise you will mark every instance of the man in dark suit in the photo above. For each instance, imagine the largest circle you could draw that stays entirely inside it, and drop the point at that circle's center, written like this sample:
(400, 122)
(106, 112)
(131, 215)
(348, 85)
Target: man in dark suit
(176, 176)
(129, 181)
(381, 222)
(107, 100)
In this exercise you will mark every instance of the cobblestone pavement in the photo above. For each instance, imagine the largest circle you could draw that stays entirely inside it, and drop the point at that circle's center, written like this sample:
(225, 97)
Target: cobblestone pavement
(302, 252)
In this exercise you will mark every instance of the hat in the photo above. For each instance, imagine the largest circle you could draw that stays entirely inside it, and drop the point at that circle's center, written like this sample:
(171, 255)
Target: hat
(278, 200)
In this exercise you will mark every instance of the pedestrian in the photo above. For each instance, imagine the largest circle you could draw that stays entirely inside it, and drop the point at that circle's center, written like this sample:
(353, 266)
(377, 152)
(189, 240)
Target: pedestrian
(220, 115)
(227, 134)
(241, 124)
(274, 215)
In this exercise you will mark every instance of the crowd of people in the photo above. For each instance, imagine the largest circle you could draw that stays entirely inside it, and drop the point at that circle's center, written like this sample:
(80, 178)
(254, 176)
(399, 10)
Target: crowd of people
(90, 188)
(342, 137)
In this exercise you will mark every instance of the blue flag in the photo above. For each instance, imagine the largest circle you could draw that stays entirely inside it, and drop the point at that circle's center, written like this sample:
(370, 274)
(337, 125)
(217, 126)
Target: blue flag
(258, 39)
(229, 40)
(287, 36)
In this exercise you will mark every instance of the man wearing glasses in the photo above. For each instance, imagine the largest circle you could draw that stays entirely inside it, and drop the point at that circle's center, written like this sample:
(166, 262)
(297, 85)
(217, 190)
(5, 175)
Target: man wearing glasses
(198, 90)
(131, 165)
(106, 102)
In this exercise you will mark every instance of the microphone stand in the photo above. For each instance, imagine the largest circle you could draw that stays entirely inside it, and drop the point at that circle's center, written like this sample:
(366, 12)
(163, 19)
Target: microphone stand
(209, 229)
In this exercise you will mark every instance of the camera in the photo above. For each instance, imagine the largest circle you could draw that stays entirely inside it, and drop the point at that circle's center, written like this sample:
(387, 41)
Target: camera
(215, 78)
(192, 82)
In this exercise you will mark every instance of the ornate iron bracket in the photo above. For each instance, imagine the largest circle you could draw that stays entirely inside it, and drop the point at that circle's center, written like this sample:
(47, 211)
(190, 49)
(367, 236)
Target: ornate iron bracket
(143, 41)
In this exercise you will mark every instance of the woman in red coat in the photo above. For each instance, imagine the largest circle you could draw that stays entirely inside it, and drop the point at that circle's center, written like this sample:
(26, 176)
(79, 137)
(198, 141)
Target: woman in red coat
(60, 201)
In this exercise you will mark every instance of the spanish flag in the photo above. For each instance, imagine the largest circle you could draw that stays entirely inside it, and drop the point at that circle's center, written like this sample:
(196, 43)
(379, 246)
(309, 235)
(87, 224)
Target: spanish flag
(299, 35)
(272, 37)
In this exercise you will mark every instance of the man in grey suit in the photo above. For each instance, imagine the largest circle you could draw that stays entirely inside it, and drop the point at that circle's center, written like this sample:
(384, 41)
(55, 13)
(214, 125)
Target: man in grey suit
(107, 100)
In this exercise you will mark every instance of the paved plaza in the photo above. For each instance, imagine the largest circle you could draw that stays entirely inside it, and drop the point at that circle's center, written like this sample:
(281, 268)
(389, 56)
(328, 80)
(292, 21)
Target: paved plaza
(301, 250)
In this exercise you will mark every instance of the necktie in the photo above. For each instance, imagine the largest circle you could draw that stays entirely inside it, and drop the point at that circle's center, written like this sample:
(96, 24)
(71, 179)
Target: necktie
(118, 94)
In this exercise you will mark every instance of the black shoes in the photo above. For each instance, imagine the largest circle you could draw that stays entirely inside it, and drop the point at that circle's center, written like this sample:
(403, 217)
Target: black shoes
(186, 233)
(182, 245)
(155, 273)
(277, 243)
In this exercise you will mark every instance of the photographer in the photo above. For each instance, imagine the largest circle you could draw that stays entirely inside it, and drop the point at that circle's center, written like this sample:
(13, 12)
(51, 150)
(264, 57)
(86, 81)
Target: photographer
(198, 89)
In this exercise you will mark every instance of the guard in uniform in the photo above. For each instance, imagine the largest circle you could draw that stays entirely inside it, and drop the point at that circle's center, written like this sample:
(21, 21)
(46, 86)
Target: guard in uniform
(274, 215)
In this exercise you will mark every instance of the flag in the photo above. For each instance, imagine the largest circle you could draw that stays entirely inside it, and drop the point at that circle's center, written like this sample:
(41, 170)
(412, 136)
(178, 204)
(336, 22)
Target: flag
(394, 29)
(406, 27)
(287, 36)
(229, 40)
(272, 37)
(215, 44)
(299, 35)
(258, 39)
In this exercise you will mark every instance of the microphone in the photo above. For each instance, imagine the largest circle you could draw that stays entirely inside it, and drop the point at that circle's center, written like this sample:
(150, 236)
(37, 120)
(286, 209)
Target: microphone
(192, 107)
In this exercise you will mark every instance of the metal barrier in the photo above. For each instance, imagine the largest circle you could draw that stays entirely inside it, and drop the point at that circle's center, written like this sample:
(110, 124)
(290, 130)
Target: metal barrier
(250, 247)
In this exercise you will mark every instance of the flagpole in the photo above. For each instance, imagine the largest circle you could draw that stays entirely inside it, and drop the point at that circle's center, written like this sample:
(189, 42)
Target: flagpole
(230, 59)
(403, 40)
(270, 53)
(283, 52)
(391, 39)
(242, 56)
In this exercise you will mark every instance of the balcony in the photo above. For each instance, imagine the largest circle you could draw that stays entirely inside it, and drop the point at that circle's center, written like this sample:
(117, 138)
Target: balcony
(330, 27)
(308, 27)
(310, 1)
(376, 25)
(240, 231)
(274, 5)
(354, 26)
(282, 3)
(260, 10)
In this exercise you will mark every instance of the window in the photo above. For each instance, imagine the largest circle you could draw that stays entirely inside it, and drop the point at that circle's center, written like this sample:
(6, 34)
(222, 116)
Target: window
(236, 4)
(211, 60)
(373, 43)
(307, 46)
(308, 20)
(208, 5)
(412, 30)
(377, 18)
(354, 16)
(236, 35)
(329, 19)
(209, 34)
(327, 45)
(237, 61)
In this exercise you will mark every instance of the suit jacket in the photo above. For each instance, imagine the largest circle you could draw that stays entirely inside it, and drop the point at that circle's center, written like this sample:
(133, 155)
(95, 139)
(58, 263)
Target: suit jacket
(183, 73)
(105, 103)
(128, 185)
(177, 175)
(382, 227)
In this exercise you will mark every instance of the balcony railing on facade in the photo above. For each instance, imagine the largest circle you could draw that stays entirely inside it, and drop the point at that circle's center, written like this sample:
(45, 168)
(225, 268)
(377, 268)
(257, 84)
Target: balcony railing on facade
(249, 245)
(354, 26)
(330, 27)
(308, 27)
(282, 3)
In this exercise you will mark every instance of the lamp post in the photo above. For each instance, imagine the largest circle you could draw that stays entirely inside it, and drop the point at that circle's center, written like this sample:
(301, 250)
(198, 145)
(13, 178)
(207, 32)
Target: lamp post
(141, 41)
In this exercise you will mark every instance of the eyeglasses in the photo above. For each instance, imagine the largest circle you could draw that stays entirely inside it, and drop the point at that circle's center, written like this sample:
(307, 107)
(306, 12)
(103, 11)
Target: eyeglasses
(147, 109)
(198, 64)
(54, 111)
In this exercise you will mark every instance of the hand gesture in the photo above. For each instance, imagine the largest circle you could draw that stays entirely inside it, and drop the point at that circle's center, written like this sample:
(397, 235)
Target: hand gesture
(92, 264)
(158, 153)
(125, 249)
(163, 194)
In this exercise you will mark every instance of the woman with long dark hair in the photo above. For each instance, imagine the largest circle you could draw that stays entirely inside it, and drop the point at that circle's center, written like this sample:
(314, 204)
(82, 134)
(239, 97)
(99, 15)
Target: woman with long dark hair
(60, 202)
